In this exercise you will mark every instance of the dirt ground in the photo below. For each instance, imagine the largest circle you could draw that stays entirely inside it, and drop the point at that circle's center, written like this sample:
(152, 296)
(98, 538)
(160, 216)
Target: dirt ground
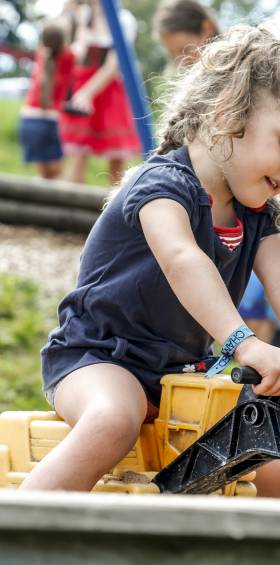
(46, 256)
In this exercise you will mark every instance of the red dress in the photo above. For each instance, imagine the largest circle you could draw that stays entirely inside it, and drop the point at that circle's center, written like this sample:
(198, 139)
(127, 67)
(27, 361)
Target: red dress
(108, 131)
(64, 65)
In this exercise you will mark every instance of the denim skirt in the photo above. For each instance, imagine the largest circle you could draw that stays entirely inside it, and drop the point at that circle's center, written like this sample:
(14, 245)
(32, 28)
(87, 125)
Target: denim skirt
(40, 139)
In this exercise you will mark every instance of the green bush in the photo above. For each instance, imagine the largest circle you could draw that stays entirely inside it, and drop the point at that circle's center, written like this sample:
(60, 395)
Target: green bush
(20, 318)
(25, 321)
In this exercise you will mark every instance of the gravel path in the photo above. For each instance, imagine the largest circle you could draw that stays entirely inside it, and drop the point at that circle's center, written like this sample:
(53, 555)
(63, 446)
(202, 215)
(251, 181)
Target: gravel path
(46, 256)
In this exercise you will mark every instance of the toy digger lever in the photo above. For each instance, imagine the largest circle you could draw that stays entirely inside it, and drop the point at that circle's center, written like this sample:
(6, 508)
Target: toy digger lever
(245, 376)
(244, 439)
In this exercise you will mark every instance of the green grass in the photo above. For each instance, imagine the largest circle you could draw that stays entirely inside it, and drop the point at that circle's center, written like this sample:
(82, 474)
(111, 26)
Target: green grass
(25, 322)
(10, 152)
(10, 155)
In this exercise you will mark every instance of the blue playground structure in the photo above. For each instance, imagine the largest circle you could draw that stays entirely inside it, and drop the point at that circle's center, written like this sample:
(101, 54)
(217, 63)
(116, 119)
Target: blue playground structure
(132, 78)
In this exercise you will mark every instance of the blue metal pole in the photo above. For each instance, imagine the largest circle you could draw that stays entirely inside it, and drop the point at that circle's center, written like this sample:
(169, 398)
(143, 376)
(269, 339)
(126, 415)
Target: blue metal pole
(132, 78)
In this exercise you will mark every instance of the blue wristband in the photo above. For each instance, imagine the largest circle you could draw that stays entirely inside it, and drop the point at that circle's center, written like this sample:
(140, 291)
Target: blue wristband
(228, 349)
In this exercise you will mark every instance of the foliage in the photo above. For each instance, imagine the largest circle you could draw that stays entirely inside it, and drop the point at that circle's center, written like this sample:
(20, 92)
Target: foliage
(250, 11)
(245, 7)
(150, 55)
(20, 7)
(20, 319)
(12, 13)
(24, 324)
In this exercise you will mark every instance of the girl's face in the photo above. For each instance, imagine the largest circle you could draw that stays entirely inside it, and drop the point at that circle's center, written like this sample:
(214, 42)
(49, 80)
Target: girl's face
(182, 46)
(253, 170)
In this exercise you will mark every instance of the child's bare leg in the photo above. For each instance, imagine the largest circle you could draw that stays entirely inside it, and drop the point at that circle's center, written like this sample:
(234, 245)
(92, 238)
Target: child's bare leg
(116, 168)
(50, 170)
(75, 170)
(268, 480)
(106, 405)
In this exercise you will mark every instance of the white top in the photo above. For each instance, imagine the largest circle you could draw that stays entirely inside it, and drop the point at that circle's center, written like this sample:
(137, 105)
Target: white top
(104, 38)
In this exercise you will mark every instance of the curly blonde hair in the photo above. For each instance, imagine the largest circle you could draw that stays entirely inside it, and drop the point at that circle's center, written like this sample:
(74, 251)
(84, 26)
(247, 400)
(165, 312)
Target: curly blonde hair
(216, 95)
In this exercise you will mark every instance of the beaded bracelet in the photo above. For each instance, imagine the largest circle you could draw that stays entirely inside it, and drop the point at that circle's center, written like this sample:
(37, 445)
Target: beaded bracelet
(228, 349)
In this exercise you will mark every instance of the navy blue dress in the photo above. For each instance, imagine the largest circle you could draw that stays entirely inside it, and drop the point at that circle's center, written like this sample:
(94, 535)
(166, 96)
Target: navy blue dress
(123, 310)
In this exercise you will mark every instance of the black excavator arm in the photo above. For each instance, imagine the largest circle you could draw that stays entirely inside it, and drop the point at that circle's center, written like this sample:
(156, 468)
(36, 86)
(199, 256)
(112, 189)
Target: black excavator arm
(246, 438)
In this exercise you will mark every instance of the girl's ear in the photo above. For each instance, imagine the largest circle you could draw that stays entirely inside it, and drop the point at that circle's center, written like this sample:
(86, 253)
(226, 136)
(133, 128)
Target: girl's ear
(207, 30)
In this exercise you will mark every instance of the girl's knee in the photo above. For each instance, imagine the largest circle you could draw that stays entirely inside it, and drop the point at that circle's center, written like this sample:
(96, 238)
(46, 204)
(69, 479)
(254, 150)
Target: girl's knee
(119, 426)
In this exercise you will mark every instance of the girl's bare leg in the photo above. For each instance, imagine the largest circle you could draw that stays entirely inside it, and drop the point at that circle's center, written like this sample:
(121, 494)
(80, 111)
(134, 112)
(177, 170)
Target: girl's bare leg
(105, 405)
(75, 170)
(50, 170)
(116, 169)
(268, 480)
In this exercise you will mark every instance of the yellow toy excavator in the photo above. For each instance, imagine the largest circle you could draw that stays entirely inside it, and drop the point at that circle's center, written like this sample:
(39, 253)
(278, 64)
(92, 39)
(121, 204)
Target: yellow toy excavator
(209, 437)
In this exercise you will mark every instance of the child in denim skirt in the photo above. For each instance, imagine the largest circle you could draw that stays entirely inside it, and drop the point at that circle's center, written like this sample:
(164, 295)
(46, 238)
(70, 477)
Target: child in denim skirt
(39, 118)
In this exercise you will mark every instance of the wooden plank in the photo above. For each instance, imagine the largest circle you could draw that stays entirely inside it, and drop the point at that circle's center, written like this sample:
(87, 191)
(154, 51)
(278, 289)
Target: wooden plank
(116, 529)
(43, 215)
(35, 189)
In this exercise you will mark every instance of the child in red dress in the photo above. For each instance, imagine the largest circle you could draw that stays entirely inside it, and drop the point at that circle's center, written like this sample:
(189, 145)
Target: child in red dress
(50, 81)
(108, 129)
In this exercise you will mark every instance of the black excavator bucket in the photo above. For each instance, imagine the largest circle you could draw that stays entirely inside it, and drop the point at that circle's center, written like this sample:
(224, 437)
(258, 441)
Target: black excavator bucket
(246, 438)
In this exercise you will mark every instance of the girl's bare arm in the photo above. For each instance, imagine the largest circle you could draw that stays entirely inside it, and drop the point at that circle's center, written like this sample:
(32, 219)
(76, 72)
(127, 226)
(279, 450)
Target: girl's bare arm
(191, 274)
(82, 98)
(47, 80)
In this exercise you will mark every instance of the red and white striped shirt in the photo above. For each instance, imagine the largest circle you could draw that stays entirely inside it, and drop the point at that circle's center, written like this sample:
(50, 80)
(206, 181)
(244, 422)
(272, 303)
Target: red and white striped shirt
(230, 237)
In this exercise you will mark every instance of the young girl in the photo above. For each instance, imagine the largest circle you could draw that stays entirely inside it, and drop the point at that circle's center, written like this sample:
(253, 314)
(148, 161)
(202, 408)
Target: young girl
(38, 126)
(106, 129)
(182, 26)
(159, 280)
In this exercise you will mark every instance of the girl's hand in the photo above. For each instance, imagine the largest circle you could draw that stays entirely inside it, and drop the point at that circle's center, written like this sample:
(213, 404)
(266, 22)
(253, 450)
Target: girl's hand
(82, 100)
(265, 359)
